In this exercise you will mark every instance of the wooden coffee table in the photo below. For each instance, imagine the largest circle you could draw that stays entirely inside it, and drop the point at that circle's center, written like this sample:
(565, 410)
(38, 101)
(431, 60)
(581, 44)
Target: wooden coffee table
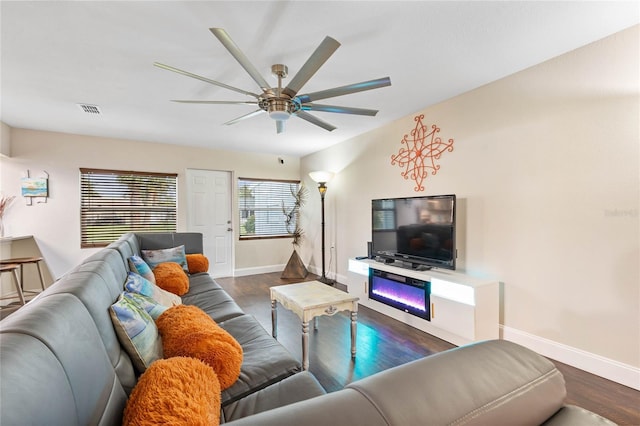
(309, 300)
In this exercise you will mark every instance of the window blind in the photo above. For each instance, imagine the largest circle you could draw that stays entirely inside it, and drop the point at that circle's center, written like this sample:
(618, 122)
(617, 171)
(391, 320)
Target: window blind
(260, 203)
(114, 202)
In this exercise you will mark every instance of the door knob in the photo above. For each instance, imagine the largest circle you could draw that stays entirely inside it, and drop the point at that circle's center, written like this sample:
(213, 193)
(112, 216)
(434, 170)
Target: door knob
(229, 229)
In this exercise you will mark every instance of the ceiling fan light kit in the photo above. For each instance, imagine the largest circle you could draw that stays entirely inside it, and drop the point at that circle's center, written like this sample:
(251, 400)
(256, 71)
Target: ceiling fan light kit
(282, 103)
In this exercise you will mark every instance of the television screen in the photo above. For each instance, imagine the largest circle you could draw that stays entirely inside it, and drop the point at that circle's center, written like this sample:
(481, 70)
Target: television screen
(417, 231)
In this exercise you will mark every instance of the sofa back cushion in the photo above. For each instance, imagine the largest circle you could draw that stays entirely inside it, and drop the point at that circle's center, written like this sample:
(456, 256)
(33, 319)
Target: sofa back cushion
(23, 400)
(127, 244)
(132, 239)
(54, 367)
(122, 245)
(192, 241)
(111, 266)
(95, 293)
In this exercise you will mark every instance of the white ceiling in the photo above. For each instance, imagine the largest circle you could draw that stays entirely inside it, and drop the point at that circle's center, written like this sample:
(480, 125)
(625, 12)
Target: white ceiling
(57, 54)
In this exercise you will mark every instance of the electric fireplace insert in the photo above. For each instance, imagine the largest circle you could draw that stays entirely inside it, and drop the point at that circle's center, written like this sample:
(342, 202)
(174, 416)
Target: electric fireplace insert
(407, 294)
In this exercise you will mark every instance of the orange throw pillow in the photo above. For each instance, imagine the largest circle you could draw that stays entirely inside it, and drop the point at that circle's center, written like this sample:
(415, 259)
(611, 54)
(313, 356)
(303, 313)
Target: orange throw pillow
(175, 391)
(171, 277)
(197, 263)
(187, 330)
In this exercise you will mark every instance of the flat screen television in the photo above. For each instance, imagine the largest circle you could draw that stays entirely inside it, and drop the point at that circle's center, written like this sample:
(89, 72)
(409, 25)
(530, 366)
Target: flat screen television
(416, 232)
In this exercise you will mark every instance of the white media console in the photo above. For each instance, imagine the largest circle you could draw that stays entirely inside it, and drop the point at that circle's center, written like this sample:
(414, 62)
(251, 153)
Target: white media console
(463, 309)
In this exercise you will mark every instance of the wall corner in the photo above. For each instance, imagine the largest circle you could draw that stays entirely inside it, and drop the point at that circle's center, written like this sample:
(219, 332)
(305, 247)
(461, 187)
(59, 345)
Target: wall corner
(5, 140)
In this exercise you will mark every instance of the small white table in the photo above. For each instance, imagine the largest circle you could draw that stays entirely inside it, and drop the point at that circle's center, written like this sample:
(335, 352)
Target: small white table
(309, 300)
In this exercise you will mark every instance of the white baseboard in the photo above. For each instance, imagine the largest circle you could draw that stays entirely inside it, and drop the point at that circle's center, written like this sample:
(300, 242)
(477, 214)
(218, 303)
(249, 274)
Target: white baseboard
(258, 270)
(243, 272)
(314, 270)
(342, 279)
(604, 367)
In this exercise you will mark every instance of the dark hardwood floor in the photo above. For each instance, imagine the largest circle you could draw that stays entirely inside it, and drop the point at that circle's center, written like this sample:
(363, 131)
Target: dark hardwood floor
(384, 342)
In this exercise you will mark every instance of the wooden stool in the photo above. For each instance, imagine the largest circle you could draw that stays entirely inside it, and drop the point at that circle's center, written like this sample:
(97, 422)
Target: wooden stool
(21, 261)
(13, 268)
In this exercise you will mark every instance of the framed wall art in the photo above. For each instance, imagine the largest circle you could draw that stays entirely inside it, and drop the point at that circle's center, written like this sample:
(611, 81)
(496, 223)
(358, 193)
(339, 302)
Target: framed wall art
(35, 187)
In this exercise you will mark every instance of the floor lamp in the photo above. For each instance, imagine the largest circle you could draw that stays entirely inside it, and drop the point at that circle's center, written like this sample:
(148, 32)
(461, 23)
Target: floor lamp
(322, 178)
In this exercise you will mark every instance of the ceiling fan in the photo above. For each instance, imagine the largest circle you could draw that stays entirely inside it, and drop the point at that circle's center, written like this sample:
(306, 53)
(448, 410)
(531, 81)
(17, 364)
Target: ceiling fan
(282, 103)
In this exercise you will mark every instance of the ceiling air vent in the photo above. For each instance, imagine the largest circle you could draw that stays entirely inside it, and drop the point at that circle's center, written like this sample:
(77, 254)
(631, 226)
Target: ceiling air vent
(90, 109)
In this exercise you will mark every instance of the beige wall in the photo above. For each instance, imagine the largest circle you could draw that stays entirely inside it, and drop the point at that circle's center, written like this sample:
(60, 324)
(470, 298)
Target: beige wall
(56, 223)
(546, 169)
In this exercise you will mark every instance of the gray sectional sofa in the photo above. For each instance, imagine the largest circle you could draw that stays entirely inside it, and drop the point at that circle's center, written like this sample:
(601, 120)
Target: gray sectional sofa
(61, 364)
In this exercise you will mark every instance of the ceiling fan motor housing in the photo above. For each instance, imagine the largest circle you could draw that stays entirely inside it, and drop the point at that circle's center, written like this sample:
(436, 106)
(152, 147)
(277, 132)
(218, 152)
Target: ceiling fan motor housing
(279, 108)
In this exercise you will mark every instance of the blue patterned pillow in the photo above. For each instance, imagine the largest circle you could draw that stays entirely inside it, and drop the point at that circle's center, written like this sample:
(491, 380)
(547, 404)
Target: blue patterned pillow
(152, 307)
(137, 333)
(140, 267)
(138, 284)
(175, 254)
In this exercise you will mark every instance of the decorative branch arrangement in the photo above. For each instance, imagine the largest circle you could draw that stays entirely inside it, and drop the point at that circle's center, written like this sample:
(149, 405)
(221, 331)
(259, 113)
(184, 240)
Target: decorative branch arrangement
(292, 216)
(4, 204)
(295, 268)
(423, 148)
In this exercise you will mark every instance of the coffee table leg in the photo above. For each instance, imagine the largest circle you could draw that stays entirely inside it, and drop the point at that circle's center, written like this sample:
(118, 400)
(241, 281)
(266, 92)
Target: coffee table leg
(305, 346)
(274, 320)
(354, 330)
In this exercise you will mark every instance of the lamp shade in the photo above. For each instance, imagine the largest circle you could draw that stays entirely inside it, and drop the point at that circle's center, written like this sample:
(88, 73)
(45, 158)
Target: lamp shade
(321, 176)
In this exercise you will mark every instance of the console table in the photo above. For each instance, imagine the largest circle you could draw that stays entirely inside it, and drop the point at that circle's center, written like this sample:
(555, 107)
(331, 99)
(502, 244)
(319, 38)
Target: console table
(464, 309)
(24, 246)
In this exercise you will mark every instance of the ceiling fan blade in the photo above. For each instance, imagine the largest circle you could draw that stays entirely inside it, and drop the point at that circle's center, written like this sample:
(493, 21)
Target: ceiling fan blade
(240, 57)
(206, 80)
(345, 90)
(244, 117)
(280, 126)
(339, 109)
(216, 102)
(315, 120)
(313, 64)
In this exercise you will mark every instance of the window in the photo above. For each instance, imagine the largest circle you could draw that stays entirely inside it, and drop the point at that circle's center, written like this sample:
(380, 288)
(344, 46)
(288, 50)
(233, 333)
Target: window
(114, 202)
(261, 202)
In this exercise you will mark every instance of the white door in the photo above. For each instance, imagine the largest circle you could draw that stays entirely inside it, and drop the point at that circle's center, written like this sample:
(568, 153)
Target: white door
(209, 212)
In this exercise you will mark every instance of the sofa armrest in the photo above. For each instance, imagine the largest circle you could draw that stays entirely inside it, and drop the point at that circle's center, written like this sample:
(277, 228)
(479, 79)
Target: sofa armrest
(494, 382)
(577, 416)
(342, 408)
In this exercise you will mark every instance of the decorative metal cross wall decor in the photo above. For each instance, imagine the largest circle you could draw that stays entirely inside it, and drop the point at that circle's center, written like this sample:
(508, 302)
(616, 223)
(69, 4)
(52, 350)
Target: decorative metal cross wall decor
(420, 153)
